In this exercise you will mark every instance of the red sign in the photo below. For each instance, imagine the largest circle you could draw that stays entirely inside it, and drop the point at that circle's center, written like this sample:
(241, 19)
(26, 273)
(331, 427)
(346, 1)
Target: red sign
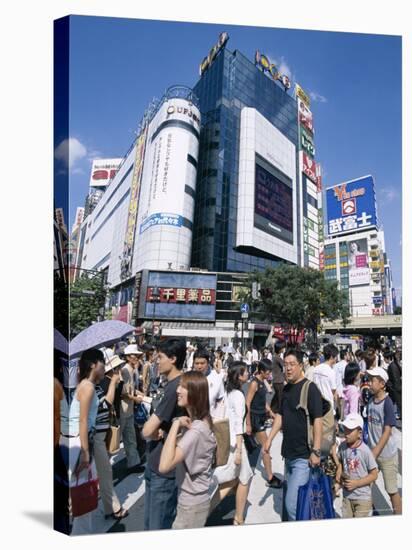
(348, 207)
(183, 295)
(305, 116)
(321, 261)
(361, 260)
(309, 167)
(122, 314)
(291, 334)
(377, 311)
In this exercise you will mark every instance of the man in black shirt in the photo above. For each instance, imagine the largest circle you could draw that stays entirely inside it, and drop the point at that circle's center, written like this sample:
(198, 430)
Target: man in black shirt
(292, 420)
(161, 489)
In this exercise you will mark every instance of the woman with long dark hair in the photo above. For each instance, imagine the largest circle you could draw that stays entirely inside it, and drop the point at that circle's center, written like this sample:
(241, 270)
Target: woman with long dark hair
(257, 412)
(237, 473)
(82, 423)
(192, 455)
(351, 392)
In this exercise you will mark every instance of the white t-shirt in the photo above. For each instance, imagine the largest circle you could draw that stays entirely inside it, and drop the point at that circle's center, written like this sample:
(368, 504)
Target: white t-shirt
(325, 379)
(339, 369)
(216, 390)
(248, 358)
(255, 355)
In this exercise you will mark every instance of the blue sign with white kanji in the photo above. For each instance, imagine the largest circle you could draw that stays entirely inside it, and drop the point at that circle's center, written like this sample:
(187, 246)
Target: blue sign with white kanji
(351, 206)
(244, 308)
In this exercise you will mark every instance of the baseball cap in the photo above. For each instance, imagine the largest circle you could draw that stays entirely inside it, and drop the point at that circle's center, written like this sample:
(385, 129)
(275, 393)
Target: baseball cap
(352, 421)
(379, 371)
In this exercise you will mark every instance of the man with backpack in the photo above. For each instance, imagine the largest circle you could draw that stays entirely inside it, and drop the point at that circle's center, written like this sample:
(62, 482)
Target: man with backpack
(297, 426)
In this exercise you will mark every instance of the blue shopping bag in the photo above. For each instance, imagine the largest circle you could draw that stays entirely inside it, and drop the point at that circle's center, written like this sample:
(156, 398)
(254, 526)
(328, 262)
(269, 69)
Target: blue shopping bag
(315, 499)
(141, 414)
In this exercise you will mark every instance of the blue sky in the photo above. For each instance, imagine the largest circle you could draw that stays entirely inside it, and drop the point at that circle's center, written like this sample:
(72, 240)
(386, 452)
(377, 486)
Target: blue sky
(118, 65)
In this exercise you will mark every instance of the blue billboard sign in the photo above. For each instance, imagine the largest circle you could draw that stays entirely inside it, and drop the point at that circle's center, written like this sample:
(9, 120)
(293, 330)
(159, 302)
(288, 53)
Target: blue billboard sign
(351, 206)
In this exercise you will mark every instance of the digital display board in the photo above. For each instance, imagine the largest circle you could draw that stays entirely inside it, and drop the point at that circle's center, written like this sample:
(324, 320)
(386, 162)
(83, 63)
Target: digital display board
(273, 201)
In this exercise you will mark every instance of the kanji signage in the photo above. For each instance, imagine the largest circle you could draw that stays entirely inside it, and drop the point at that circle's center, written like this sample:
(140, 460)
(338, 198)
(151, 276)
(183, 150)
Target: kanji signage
(183, 295)
(351, 206)
(309, 167)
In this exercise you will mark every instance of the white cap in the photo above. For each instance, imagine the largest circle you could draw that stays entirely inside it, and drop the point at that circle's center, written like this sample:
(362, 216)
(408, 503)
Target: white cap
(379, 371)
(132, 349)
(353, 421)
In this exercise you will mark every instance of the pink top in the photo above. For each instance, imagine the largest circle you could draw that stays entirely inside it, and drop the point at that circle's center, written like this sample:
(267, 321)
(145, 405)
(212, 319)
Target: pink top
(351, 396)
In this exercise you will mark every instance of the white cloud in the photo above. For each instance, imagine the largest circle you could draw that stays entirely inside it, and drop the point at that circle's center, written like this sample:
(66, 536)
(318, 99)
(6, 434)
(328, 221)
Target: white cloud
(282, 65)
(389, 194)
(315, 96)
(70, 151)
(78, 171)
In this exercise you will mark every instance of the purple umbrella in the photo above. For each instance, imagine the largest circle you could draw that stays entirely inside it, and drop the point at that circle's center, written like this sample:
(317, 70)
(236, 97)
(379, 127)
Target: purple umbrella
(98, 335)
(60, 342)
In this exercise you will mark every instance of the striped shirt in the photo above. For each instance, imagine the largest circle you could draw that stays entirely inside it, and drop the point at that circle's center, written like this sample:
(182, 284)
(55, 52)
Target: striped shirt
(103, 412)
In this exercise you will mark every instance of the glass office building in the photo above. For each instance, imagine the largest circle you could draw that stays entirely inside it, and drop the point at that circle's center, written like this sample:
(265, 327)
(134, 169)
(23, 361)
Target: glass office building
(231, 83)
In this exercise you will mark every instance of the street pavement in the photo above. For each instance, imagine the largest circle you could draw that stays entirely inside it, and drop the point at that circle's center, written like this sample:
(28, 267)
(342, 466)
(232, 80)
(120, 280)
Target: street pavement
(264, 504)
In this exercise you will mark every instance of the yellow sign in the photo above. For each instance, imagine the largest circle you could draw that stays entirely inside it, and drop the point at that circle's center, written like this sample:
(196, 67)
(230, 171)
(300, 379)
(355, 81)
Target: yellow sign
(266, 65)
(207, 61)
(300, 92)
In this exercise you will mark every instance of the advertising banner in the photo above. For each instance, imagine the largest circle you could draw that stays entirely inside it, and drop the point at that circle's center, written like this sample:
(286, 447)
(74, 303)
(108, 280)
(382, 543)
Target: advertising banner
(126, 264)
(309, 167)
(181, 296)
(351, 206)
(103, 170)
(306, 142)
(305, 116)
(359, 273)
(301, 94)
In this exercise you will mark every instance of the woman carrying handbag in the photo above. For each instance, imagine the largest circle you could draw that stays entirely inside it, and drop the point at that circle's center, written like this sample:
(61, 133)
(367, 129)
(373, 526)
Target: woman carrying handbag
(82, 424)
(236, 473)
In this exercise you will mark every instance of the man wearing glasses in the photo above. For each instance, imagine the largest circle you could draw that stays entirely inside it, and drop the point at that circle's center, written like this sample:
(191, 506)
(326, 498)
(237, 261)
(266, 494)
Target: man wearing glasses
(292, 421)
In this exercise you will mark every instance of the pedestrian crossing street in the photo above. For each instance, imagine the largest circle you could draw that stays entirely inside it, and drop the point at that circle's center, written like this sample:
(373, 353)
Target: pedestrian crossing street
(264, 504)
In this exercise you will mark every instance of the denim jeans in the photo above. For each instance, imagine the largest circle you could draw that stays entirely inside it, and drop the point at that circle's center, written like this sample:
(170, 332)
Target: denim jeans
(160, 501)
(296, 474)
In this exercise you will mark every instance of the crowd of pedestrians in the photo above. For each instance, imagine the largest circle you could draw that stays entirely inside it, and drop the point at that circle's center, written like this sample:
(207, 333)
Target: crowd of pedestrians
(335, 410)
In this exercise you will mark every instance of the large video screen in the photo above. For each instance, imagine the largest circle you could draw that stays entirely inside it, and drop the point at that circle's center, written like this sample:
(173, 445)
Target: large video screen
(273, 201)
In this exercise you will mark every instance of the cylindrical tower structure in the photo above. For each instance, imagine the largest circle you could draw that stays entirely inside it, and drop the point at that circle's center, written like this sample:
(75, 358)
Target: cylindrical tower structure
(166, 204)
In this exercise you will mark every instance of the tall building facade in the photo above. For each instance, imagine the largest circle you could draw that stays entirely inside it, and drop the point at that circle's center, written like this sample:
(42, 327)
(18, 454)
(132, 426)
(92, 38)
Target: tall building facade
(144, 217)
(250, 194)
(355, 254)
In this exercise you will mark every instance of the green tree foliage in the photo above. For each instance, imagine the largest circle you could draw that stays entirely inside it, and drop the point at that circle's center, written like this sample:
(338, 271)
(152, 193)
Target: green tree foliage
(84, 307)
(297, 297)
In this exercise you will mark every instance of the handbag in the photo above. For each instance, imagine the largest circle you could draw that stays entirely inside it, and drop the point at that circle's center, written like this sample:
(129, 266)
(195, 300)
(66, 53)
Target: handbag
(84, 497)
(113, 435)
(315, 499)
(221, 430)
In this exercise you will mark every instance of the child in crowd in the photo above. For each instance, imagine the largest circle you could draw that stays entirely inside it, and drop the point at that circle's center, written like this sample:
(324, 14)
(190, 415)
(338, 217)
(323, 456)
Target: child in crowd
(381, 420)
(357, 470)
